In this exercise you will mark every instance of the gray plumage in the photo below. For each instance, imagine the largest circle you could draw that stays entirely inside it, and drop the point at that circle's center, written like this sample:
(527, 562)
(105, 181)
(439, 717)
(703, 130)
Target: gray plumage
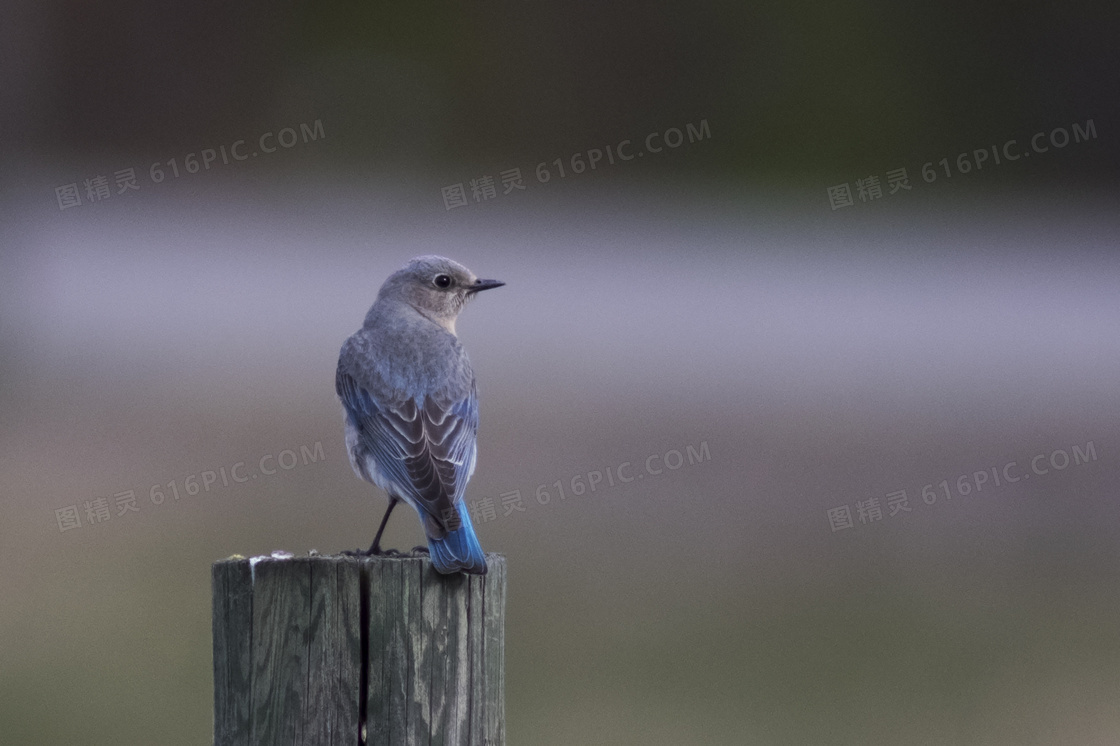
(411, 403)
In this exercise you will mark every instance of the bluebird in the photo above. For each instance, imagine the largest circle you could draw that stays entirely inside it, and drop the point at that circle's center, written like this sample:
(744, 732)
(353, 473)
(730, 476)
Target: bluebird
(410, 405)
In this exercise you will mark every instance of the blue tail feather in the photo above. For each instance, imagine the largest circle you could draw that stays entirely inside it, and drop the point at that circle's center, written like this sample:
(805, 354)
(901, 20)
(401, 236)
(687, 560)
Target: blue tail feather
(458, 550)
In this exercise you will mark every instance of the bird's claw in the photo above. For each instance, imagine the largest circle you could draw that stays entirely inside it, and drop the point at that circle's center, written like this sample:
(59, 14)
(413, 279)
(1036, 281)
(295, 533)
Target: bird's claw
(374, 553)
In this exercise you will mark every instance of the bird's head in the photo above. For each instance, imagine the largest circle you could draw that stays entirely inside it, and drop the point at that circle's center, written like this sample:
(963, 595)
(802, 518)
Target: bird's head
(435, 286)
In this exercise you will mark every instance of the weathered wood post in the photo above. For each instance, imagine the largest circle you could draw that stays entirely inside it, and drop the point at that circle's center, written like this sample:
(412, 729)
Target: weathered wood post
(341, 650)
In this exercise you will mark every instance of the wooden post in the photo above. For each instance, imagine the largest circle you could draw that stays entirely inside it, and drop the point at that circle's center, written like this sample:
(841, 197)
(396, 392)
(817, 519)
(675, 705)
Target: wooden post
(330, 651)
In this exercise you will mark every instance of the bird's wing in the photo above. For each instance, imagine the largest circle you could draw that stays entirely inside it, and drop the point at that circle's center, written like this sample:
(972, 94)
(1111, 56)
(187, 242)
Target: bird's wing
(426, 446)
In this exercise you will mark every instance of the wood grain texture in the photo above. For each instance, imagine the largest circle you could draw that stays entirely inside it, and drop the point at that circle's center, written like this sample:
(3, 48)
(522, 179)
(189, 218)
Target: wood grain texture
(281, 636)
(308, 651)
(232, 628)
(334, 663)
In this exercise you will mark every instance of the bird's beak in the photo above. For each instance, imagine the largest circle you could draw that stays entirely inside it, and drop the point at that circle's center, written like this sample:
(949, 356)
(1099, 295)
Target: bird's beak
(480, 285)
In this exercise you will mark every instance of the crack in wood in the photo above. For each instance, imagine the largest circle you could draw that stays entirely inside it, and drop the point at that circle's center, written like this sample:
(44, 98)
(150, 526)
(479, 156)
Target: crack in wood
(323, 651)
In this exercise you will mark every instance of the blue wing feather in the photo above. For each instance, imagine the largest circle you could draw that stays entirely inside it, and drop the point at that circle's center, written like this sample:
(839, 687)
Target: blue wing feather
(423, 451)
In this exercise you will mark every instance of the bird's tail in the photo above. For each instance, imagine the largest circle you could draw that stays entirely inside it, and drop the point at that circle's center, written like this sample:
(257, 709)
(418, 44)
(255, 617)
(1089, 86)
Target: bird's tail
(458, 550)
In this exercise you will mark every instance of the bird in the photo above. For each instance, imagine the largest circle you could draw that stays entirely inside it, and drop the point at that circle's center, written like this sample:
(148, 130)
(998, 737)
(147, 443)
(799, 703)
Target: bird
(410, 405)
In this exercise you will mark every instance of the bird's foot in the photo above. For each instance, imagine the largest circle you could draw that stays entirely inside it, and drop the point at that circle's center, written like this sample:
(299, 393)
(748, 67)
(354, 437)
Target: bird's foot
(371, 552)
(420, 551)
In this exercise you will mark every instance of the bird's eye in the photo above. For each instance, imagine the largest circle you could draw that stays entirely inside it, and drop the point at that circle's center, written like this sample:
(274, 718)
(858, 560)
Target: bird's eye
(442, 281)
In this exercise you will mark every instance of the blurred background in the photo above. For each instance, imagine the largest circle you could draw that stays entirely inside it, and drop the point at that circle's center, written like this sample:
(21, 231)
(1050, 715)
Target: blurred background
(839, 297)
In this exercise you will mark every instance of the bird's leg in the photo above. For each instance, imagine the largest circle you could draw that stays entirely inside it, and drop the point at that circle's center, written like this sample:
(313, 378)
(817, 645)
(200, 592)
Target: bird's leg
(375, 547)
(421, 550)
